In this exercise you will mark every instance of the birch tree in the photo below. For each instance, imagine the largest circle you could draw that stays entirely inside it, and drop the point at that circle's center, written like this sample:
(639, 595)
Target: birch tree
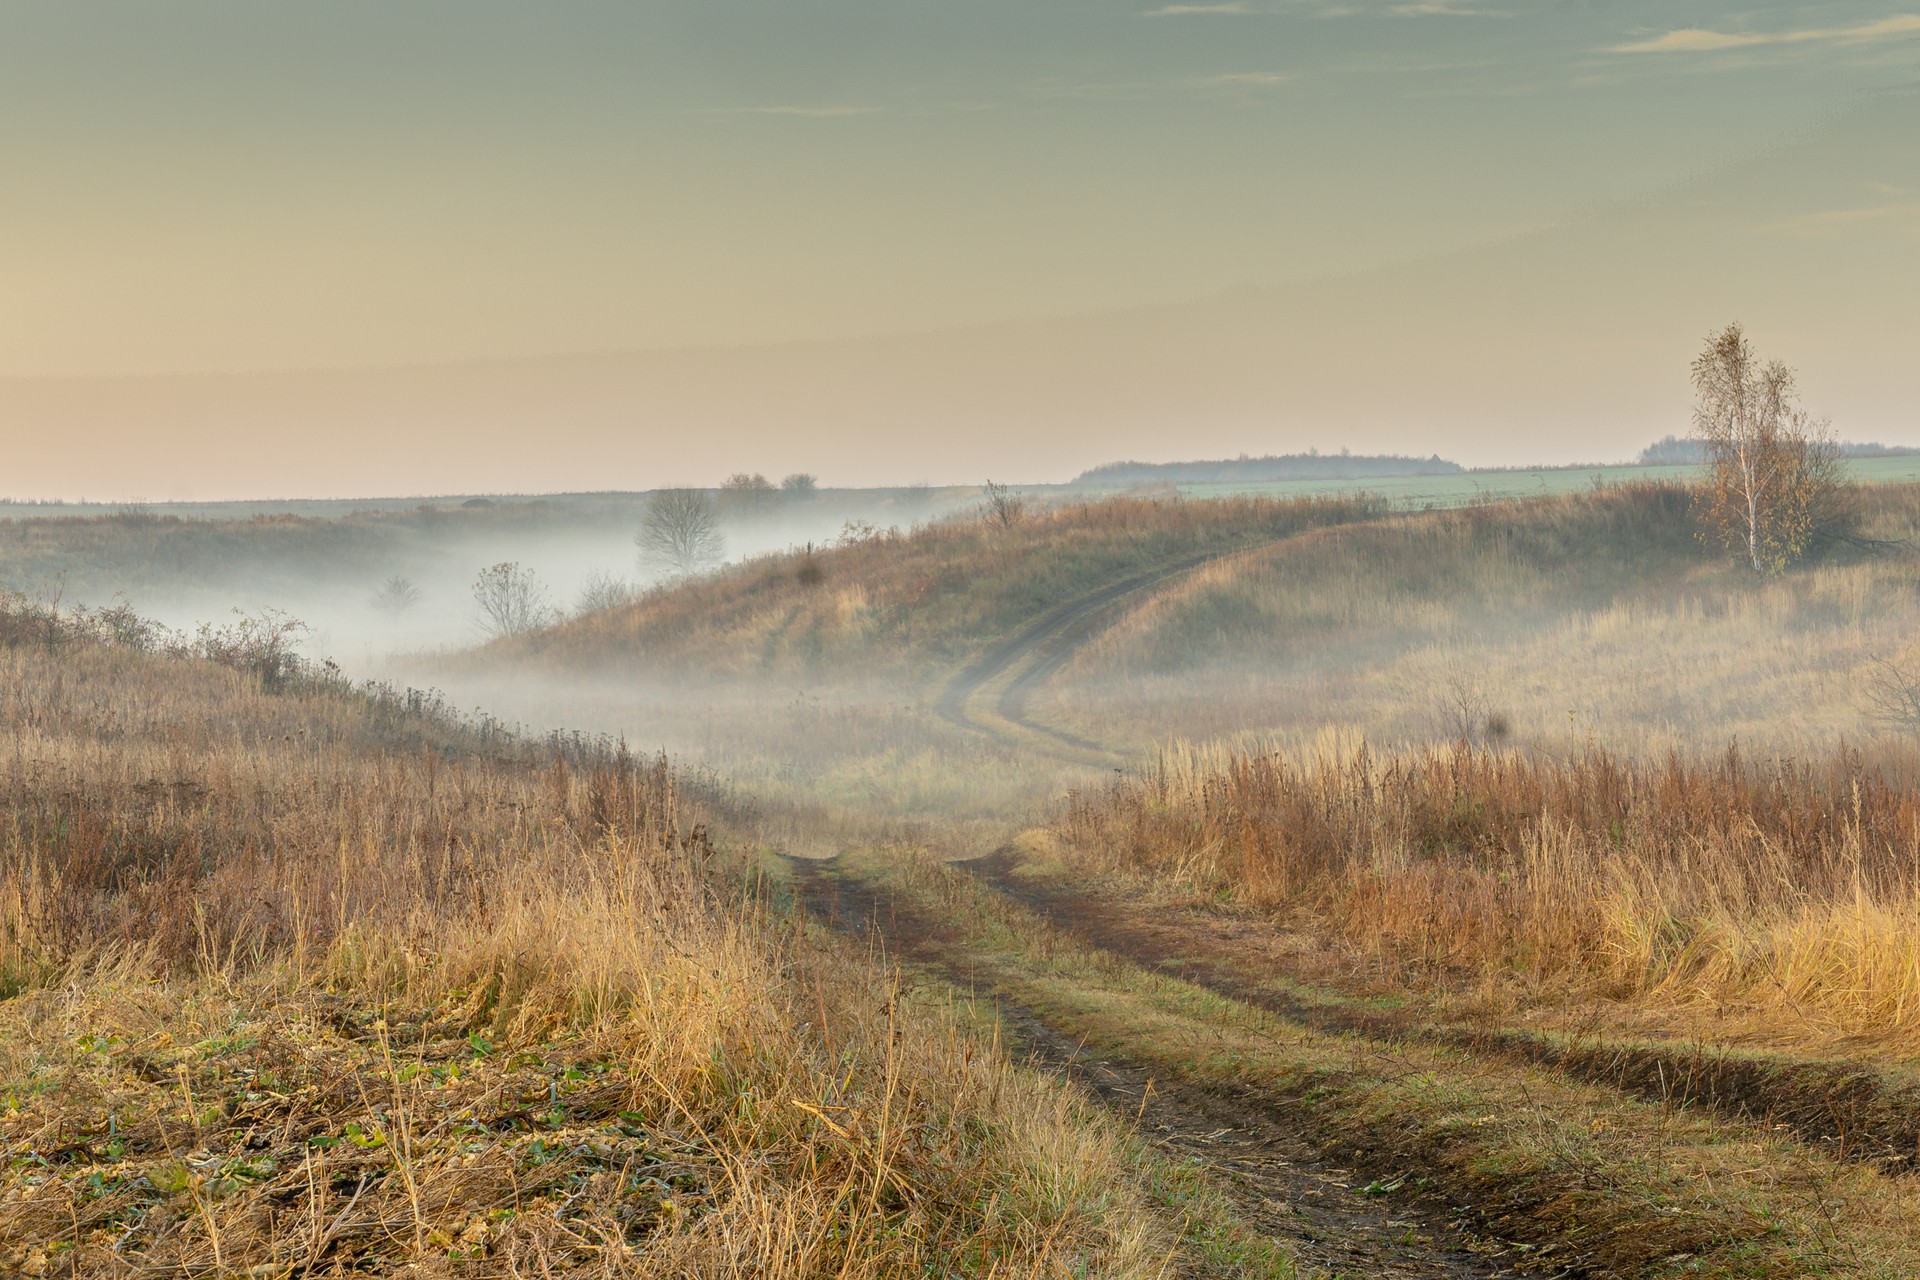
(1771, 468)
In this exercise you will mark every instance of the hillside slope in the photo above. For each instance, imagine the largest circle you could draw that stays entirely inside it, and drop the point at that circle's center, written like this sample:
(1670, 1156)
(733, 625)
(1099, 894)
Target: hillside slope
(301, 978)
(908, 605)
(1544, 621)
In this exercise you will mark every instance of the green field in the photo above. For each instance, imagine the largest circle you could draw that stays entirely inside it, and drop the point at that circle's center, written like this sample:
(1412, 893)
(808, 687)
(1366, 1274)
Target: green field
(1466, 488)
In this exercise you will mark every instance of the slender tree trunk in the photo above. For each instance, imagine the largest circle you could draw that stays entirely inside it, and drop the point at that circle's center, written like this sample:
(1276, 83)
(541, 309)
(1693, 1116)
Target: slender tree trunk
(1750, 490)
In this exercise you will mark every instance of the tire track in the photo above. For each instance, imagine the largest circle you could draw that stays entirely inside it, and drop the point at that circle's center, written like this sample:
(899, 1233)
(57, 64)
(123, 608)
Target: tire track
(1277, 1182)
(1844, 1110)
(1038, 651)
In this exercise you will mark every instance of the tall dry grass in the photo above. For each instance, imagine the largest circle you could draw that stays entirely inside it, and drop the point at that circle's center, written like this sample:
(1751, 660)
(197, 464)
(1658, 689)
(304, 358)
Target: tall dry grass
(1387, 581)
(1596, 616)
(1783, 885)
(303, 981)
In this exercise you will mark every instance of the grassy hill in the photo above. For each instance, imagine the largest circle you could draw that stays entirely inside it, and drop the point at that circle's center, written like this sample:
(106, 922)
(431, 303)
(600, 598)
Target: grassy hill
(1594, 616)
(301, 978)
(323, 562)
(831, 676)
(904, 604)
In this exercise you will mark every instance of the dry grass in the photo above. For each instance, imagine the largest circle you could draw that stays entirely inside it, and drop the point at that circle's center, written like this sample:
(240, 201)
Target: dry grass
(1590, 618)
(305, 981)
(887, 603)
(1597, 1182)
(1787, 887)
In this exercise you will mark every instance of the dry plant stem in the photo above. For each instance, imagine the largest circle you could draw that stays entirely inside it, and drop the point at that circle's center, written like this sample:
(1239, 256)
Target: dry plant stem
(434, 997)
(1784, 884)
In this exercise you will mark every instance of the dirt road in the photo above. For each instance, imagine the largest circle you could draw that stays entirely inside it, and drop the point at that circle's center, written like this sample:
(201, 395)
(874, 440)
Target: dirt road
(1845, 1110)
(1010, 672)
(1344, 1222)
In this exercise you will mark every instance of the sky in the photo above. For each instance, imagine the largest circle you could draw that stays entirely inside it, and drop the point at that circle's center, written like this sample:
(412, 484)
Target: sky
(500, 245)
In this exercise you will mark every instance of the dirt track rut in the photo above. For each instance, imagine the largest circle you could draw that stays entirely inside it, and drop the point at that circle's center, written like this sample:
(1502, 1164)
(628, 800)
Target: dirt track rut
(1332, 1218)
(1844, 1110)
(1035, 653)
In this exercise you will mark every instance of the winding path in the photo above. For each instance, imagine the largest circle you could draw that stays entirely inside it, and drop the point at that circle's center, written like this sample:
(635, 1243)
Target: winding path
(1011, 671)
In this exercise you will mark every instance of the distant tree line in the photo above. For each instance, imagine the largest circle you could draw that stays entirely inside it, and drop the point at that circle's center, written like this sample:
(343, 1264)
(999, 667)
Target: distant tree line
(1681, 451)
(1312, 465)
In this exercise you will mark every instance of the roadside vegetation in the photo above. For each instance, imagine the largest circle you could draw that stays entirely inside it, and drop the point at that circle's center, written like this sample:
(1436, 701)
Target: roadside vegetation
(1779, 890)
(297, 977)
(1537, 1170)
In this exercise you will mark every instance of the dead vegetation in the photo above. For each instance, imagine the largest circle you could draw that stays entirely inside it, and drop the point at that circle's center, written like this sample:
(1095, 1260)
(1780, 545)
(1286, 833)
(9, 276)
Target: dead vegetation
(1547, 1173)
(1548, 623)
(301, 980)
(1785, 886)
(892, 602)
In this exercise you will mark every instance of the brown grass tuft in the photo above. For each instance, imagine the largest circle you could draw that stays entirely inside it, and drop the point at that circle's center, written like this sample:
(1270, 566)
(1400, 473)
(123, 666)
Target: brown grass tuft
(306, 981)
(1788, 885)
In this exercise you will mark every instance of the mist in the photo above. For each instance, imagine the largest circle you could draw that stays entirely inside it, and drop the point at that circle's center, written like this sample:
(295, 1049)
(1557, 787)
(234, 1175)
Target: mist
(325, 564)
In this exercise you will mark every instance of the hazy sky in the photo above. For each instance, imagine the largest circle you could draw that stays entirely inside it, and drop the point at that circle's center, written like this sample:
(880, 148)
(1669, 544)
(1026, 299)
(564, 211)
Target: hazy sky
(256, 185)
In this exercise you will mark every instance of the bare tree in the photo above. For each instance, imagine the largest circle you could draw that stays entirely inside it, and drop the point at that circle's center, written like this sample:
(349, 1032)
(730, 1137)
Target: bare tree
(1893, 691)
(512, 601)
(603, 590)
(681, 532)
(1004, 507)
(1465, 706)
(396, 595)
(748, 493)
(1772, 471)
(800, 485)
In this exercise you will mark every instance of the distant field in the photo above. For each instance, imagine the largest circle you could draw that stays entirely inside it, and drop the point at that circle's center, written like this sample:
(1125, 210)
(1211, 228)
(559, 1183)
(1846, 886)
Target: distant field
(621, 504)
(1407, 492)
(1417, 492)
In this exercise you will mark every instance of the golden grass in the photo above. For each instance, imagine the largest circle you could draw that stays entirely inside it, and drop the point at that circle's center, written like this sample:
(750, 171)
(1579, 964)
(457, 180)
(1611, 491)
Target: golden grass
(1788, 887)
(1592, 1179)
(885, 604)
(308, 981)
(1592, 618)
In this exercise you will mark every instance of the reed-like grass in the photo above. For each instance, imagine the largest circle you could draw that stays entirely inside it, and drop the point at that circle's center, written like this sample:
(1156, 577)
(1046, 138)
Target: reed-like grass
(1789, 887)
(295, 979)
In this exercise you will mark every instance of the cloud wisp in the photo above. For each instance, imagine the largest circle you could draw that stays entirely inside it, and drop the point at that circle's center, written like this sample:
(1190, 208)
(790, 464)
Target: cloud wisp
(1834, 222)
(1703, 40)
(1247, 80)
(1199, 10)
(811, 113)
(1441, 9)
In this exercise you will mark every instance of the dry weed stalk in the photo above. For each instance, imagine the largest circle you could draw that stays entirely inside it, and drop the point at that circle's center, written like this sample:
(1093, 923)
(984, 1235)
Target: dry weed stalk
(300, 979)
(1787, 884)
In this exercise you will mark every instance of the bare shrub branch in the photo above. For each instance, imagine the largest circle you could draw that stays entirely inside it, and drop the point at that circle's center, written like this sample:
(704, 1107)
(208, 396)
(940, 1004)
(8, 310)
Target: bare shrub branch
(512, 601)
(680, 532)
(1004, 507)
